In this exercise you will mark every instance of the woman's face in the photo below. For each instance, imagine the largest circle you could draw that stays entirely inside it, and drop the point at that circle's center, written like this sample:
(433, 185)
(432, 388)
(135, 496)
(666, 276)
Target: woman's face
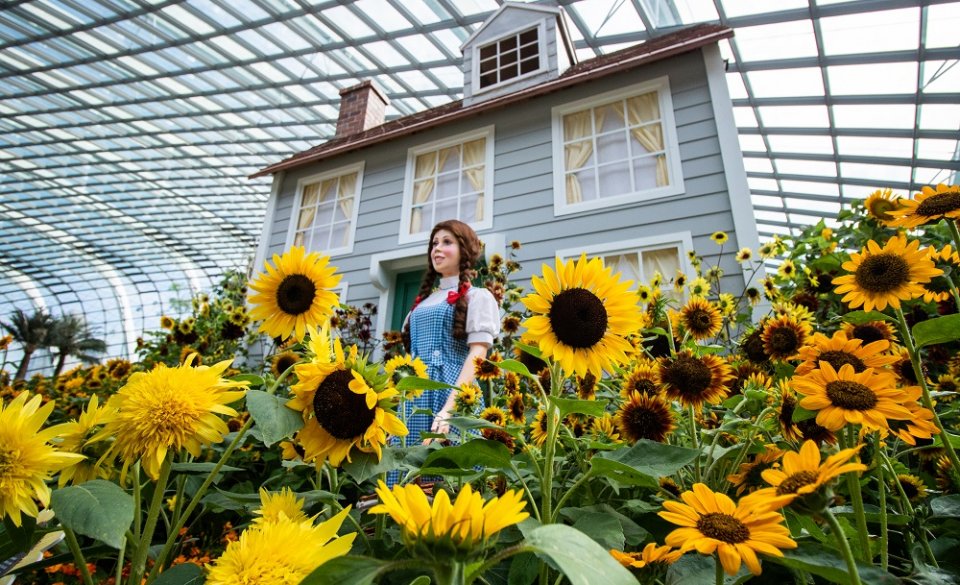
(445, 253)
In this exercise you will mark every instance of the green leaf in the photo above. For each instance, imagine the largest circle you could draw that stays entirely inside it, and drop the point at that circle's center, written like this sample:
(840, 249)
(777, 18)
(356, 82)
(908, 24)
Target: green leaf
(469, 423)
(524, 569)
(516, 367)
(273, 418)
(573, 405)
(695, 568)
(348, 570)
(801, 414)
(183, 574)
(205, 467)
(937, 330)
(861, 317)
(224, 500)
(98, 509)
(656, 331)
(827, 563)
(642, 464)
(461, 459)
(421, 580)
(252, 378)
(946, 506)
(579, 558)
(604, 529)
(365, 465)
(20, 537)
(954, 440)
(415, 383)
(531, 349)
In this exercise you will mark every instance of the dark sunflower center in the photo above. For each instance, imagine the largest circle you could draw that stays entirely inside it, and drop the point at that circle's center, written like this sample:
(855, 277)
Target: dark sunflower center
(646, 422)
(868, 333)
(516, 408)
(340, 411)
(699, 320)
(689, 374)
(284, 362)
(851, 395)
(796, 481)
(578, 318)
(643, 386)
(909, 488)
(295, 294)
(754, 475)
(723, 527)
(783, 340)
(939, 204)
(938, 284)
(882, 273)
(838, 359)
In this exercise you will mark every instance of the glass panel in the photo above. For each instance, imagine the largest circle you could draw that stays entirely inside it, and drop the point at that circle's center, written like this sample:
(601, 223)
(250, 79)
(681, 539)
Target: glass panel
(588, 187)
(614, 179)
(611, 147)
(645, 173)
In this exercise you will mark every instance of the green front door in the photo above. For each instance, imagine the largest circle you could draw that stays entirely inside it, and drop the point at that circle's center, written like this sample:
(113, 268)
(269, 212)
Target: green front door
(406, 287)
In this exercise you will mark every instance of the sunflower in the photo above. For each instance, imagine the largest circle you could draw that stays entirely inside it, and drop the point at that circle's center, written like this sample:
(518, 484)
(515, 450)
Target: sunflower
(405, 365)
(494, 414)
(605, 428)
(643, 378)
(645, 295)
(74, 437)
(679, 281)
(710, 522)
(870, 331)
(788, 406)
(753, 295)
(280, 552)
(27, 459)
(468, 396)
(811, 431)
(511, 383)
(885, 276)
(511, 324)
(748, 476)
(719, 238)
(582, 315)
(947, 383)
(880, 204)
(587, 387)
(170, 408)
(787, 269)
(651, 557)
(645, 417)
(801, 477)
(727, 304)
(714, 273)
(279, 506)
(784, 336)
(929, 206)
(767, 250)
(770, 290)
(944, 475)
(903, 368)
(920, 425)
(167, 323)
(294, 293)
(344, 404)
(699, 287)
(700, 318)
(847, 397)
(282, 362)
(744, 255)
(839, 350)
(516, 408)
(913, 487)
(462, 528)
(668, 485)
(538, 428)
(487, 369)
(938, 289)
(694, 380)
(741, 372)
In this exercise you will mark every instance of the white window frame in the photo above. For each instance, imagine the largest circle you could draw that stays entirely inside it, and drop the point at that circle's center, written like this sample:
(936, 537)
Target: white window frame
(671, 147)
(542, 55)
(487, 132)
(298, 202)
(683, 241)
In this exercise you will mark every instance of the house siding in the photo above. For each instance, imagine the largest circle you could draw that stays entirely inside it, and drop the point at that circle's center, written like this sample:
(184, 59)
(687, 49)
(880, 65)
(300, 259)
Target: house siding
(523, 185)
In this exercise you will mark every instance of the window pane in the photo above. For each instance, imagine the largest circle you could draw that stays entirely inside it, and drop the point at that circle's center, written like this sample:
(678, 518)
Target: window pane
(666, 261)
(645, 172)
(611, 147)
(614, 179)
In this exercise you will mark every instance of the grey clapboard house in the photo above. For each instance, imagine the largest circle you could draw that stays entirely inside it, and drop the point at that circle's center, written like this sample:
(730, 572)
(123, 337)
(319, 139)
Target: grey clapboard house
(631, 156)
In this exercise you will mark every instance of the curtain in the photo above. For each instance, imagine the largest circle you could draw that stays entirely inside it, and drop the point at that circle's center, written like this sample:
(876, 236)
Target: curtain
(666, 261)
(473, 154)
(640, 110)
(628, 265)
(423, 181)
(345, 197)
(576, 127)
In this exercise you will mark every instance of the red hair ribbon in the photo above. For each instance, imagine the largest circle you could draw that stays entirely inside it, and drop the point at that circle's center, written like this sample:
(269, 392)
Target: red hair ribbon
(416, 302)
(454, 296)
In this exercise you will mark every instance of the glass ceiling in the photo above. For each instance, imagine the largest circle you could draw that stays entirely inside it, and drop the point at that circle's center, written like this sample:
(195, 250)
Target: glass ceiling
(128, 127)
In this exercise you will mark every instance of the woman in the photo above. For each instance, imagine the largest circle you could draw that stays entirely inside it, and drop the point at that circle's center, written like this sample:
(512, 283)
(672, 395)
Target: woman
(450, 325)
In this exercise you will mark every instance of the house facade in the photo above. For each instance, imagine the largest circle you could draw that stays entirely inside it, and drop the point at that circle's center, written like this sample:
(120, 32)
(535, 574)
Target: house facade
(632, 157)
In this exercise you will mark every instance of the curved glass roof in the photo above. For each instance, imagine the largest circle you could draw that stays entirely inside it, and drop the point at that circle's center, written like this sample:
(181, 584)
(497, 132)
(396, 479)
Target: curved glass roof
(128, 127)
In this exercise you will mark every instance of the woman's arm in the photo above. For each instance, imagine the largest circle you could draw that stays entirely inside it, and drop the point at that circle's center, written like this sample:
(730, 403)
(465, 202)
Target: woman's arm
(467, 375)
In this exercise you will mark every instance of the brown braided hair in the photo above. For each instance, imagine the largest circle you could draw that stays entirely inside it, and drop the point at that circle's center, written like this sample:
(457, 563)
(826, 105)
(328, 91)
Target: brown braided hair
(470, 246)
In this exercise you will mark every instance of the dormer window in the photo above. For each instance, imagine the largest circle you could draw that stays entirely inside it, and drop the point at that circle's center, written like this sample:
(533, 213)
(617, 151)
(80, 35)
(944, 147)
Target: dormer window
(509, 58)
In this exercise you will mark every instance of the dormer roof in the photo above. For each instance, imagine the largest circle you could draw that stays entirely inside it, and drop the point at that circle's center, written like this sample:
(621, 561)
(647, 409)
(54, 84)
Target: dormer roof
(555, 10)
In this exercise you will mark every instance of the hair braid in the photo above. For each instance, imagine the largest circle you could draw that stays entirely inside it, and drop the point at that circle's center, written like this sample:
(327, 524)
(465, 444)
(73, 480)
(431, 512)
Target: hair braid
(460, 309)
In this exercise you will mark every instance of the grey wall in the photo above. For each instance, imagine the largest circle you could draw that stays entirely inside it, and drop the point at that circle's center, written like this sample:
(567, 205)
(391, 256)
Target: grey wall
(523, 184)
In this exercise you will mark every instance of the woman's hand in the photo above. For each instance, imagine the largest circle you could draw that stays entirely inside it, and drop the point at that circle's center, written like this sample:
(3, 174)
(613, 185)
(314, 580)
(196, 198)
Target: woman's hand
(440, 425)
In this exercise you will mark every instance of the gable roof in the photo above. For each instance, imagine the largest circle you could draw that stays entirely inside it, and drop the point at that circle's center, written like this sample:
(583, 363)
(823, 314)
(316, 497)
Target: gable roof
(508, 4)
(656, 49)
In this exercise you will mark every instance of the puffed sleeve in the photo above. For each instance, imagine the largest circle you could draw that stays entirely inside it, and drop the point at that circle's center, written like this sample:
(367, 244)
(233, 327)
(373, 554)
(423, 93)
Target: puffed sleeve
(483, 317)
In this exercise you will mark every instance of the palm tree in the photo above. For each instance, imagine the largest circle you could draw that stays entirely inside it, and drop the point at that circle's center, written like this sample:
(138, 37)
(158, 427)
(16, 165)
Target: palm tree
(71, 336)
(31, 333)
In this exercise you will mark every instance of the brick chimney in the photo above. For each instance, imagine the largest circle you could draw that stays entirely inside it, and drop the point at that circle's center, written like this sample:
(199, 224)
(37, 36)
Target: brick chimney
(361, 107)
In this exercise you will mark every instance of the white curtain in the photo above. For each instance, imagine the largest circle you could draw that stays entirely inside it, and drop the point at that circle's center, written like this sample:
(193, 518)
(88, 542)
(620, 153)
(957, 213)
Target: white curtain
(666, 261)
(424, 183)
(345, 196)
(628, 265)
(473, 154)
(576, 127)
(643, 109)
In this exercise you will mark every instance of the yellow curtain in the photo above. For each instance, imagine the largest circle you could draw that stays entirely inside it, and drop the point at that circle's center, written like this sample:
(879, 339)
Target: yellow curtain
(423, 181)
(641, 110)
(576, 127)
(473, 154)
(665, 261)
(345, 197)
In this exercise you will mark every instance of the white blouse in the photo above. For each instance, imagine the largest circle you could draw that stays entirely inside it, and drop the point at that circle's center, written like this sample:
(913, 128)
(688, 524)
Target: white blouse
(483, 312)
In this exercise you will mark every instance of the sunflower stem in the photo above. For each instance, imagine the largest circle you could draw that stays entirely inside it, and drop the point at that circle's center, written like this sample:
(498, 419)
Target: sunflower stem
(496, 560)
(81, 562)
(844, 547)
(907, 508)
(549, 446)
(121, 554)
(526, 488)
(926, 399)
(696, 443)
(718, 570)
(952, 224)
(138, 504)
(856, 498)
(153, 513)
(202, 490)
(566, 496)
(884, 537)
(449, 574)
